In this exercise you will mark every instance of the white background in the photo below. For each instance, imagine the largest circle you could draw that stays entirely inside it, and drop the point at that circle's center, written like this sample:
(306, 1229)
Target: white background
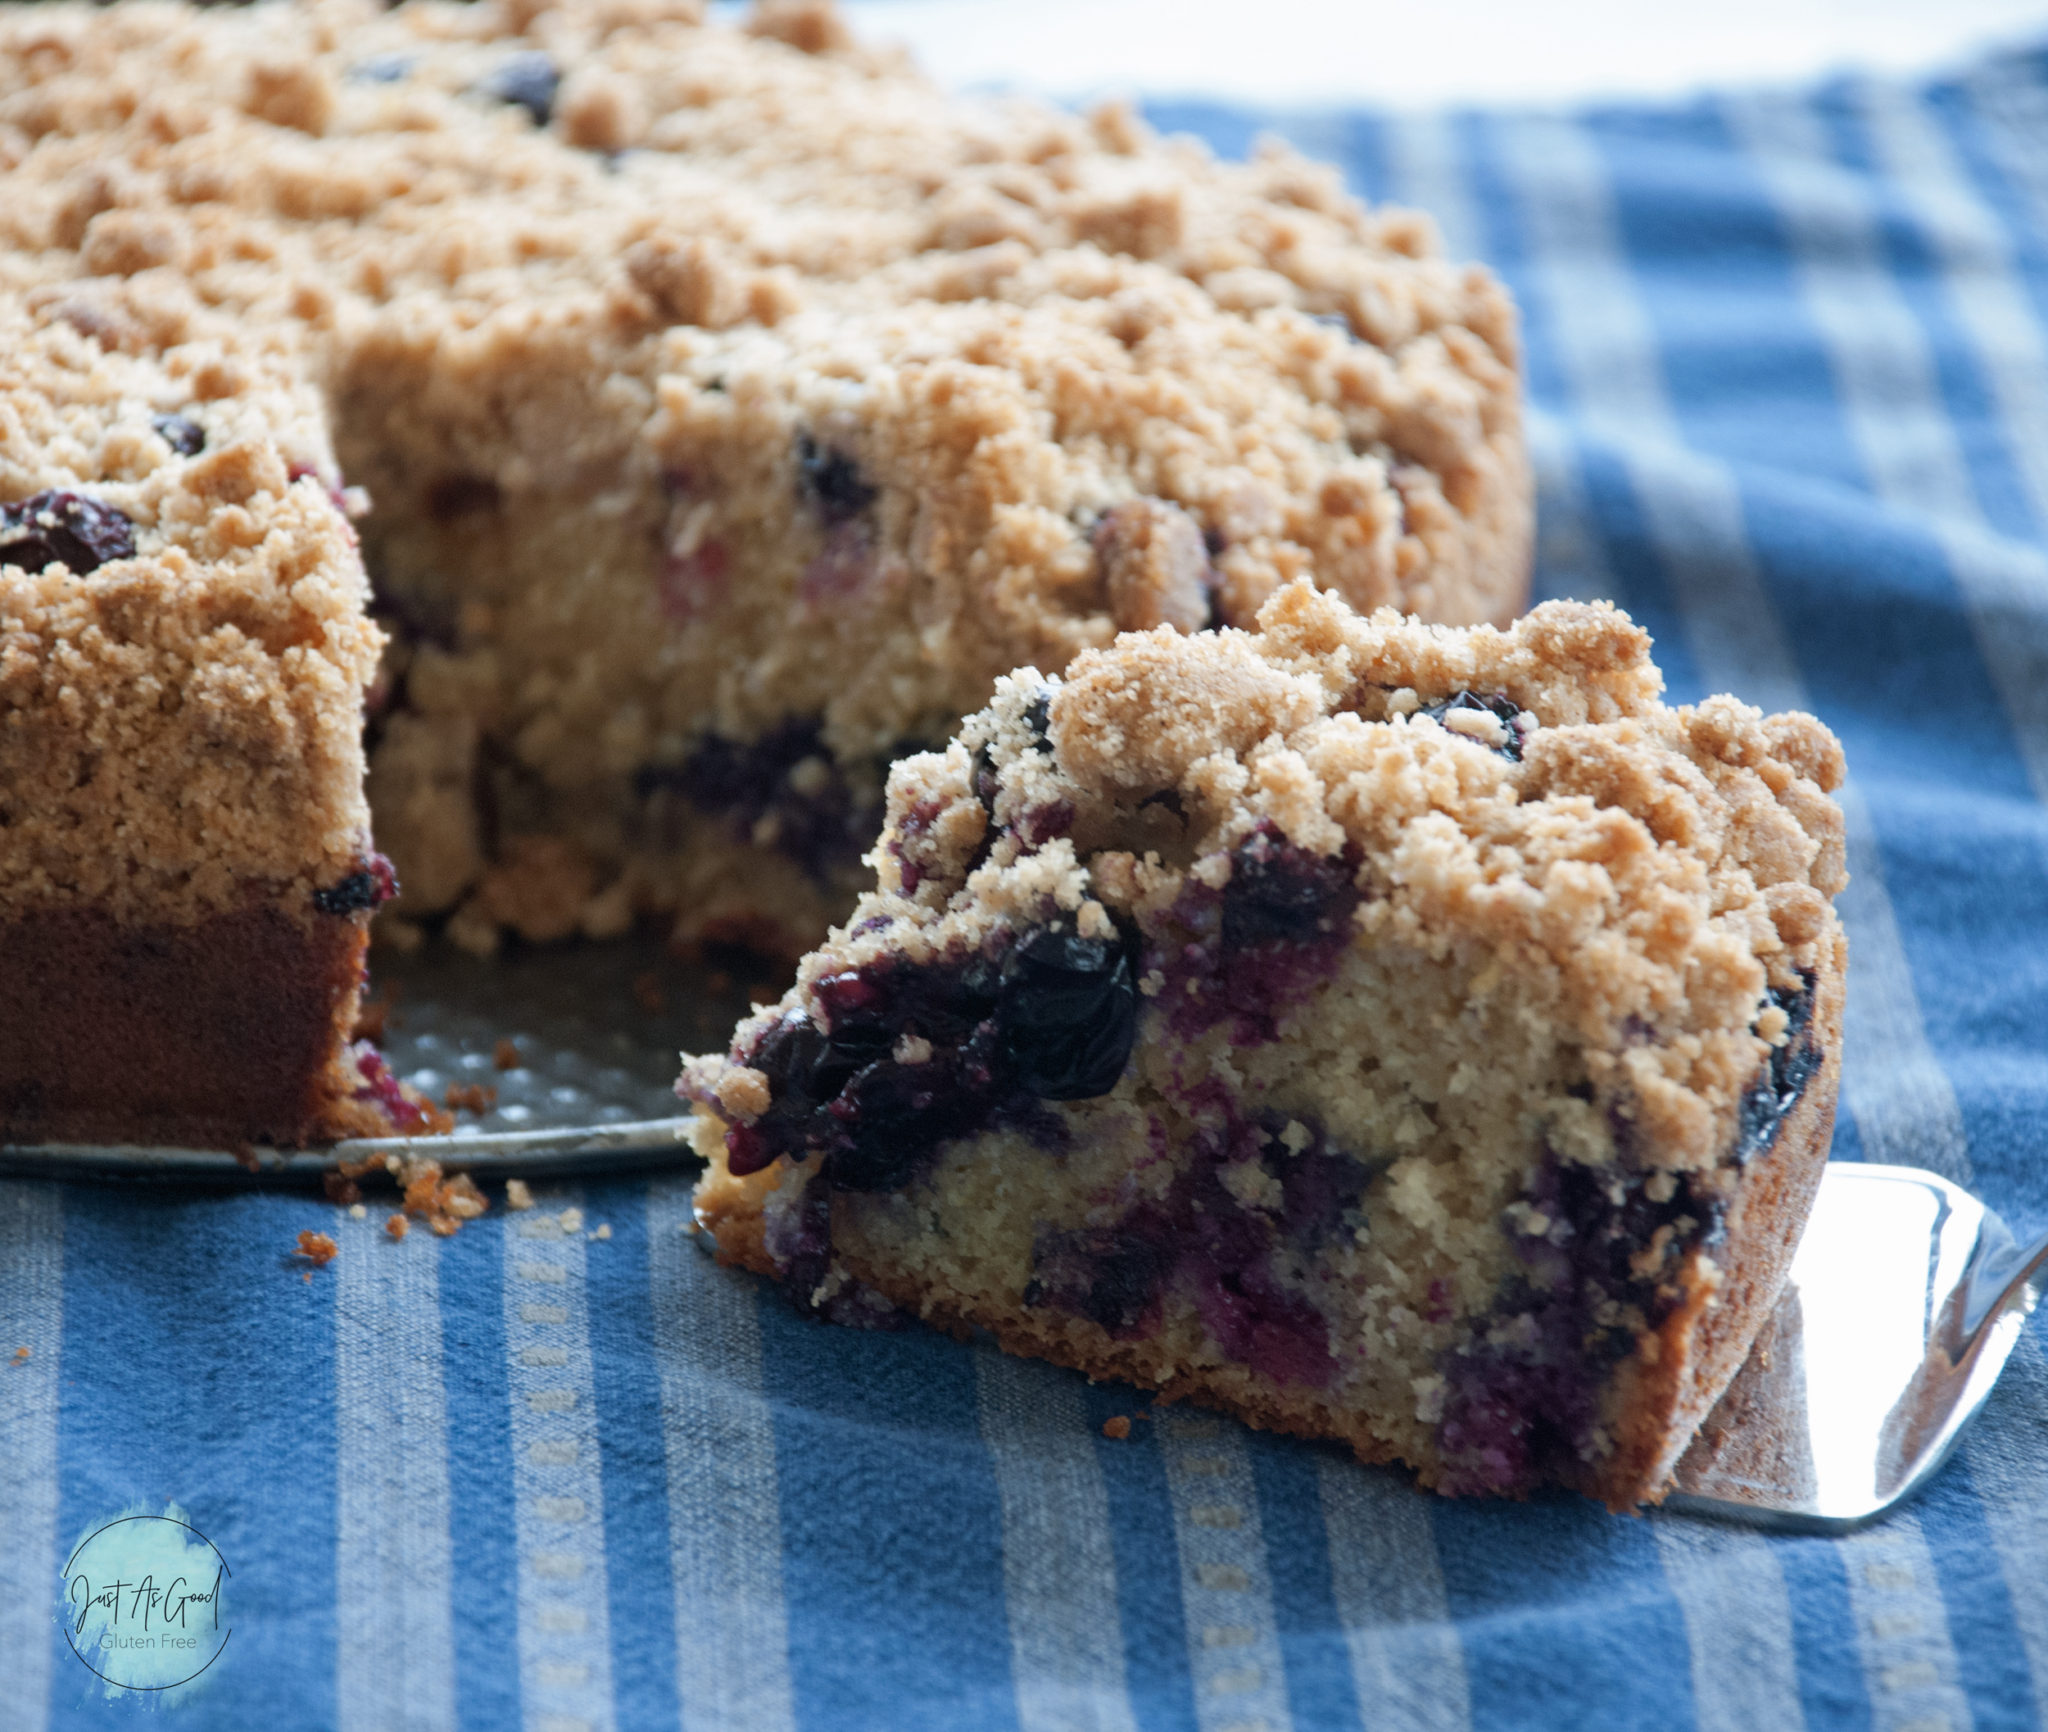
(1422, 54)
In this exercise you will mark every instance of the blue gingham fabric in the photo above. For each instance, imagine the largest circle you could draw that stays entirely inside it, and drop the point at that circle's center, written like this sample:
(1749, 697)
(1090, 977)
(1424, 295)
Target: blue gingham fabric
(1788, 361)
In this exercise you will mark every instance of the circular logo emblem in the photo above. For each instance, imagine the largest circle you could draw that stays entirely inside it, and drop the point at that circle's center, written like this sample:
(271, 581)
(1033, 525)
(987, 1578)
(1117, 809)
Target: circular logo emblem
(143, 1602)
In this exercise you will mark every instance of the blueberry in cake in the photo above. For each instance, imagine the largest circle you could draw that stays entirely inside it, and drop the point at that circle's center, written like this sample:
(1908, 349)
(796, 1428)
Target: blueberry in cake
(186, 876)
(735, 408)
(1420, 1037)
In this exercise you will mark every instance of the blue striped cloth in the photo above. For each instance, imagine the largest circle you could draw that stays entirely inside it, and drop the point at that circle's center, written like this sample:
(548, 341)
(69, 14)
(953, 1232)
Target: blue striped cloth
(1789, 362)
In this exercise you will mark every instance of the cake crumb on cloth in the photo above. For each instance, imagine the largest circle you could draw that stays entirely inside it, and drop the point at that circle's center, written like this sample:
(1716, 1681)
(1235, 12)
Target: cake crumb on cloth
(444, 1201)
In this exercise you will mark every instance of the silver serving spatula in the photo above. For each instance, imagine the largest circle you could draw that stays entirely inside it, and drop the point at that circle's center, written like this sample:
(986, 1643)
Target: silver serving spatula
(1905, 1297)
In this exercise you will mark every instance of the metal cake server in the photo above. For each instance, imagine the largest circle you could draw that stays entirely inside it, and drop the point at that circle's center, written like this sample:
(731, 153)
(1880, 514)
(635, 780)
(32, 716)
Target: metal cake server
(1905, 1298)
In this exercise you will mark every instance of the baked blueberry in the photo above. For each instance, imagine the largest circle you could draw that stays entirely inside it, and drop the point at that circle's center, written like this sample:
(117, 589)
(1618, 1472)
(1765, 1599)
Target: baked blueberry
(832, 481)
(526, 80)
(381, 69)
(1281, 894)
(783, 791)
(1783, 1077)
(370, 889)
(58, 527)
(181, 433)
(1504, 729)
(1069, 1011)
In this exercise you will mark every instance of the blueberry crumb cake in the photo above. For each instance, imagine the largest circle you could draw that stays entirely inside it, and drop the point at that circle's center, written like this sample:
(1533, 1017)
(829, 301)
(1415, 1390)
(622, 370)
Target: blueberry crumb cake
(734, 407)
(1419, 1037)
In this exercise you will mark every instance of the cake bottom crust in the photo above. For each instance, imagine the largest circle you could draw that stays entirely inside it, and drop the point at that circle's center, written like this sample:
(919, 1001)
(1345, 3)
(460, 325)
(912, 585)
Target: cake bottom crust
(227, 1033)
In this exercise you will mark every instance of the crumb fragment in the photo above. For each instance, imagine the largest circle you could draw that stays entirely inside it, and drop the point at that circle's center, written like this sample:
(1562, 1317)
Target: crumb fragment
(421, 1181)
(435, 1121)
(397, 1226)
(518, 1194)
(1117, 1428)
(470, 1098)
(603, 1230)
(505, 1055)
(444, 1201)
(21, 1355)
(357, 1212)
(572, 1220)
(340, 1188)
(317, 1248)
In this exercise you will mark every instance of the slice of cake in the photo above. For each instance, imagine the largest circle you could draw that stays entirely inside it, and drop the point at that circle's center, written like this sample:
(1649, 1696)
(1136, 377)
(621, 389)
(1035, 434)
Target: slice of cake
(1419, 1037)
(735, 406)
(186, 877)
